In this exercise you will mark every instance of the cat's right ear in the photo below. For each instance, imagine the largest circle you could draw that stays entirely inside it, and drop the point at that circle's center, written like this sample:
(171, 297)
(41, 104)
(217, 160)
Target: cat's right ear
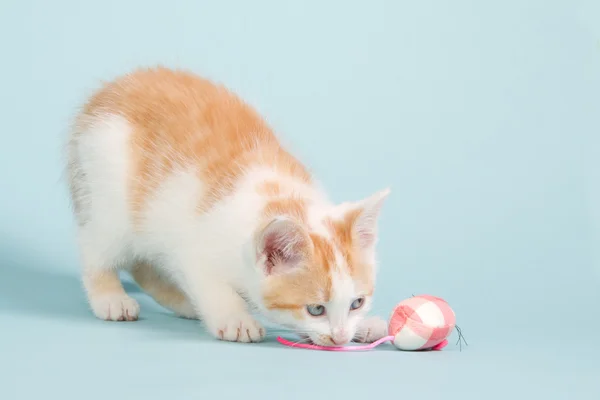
(281, 246)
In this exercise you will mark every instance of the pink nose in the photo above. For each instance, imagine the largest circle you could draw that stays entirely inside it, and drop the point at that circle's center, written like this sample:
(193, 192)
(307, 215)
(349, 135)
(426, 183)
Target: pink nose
(340, 337)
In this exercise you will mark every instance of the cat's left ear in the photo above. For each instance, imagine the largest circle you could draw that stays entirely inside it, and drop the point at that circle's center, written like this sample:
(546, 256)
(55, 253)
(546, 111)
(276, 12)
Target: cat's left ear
(365, 216)
(282, 245)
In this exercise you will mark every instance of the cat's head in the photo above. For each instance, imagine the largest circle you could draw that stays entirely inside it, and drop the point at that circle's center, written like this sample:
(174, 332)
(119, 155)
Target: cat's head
(318, 277)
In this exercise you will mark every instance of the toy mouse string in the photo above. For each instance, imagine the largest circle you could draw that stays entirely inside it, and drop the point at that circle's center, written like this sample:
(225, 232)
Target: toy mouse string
(461, 338)
(334, 348)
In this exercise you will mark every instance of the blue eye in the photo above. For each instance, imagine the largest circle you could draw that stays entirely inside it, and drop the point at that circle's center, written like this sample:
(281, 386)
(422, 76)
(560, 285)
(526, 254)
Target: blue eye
(356, 304)
(316, 310)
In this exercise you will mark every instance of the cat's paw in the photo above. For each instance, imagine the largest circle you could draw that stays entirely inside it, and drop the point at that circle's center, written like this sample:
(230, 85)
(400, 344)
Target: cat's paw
(115, 307)
(185, 310)
(240, 328)
(370, 330)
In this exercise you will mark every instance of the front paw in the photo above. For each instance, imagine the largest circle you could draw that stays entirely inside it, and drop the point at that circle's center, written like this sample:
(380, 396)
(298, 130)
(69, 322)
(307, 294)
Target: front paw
(240, 328)
(115, 307)
(371, 329)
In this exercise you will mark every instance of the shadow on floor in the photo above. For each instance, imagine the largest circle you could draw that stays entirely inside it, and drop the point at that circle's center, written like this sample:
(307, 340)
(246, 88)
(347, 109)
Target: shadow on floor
(30, 286)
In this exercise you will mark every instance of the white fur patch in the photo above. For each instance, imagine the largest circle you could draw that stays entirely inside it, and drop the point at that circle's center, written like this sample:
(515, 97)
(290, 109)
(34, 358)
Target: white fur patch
(103, 153)
(408, 340)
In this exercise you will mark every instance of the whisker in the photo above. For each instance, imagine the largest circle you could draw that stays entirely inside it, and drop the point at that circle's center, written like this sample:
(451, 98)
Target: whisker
(301, 341)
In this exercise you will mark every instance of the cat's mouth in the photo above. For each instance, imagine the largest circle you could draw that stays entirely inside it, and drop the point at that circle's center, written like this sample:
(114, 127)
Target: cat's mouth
(319, 340)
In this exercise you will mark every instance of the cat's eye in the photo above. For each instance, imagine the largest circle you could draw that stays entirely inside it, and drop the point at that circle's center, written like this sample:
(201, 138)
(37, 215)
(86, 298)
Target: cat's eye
(316, 310)
(356, 304)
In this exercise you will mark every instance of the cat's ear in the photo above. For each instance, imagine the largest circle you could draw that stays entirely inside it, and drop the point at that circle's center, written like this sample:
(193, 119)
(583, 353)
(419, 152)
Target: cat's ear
(364, 218)
(282, 245)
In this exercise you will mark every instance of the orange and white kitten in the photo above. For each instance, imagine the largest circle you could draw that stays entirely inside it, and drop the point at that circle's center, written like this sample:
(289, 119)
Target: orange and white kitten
(178, 181)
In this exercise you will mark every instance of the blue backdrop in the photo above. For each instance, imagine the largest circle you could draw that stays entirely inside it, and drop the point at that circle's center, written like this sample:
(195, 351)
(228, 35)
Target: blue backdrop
(482, 116)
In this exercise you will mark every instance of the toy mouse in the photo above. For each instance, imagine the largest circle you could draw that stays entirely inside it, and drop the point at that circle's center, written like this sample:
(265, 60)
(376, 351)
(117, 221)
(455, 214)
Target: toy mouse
(421, 322)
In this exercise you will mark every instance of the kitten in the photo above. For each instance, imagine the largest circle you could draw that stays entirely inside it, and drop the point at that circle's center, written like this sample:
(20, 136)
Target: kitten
(178, 181)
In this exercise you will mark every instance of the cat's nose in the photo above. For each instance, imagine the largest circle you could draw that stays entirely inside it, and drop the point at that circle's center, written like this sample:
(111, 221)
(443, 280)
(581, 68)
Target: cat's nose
(340, 337)
(338, 341)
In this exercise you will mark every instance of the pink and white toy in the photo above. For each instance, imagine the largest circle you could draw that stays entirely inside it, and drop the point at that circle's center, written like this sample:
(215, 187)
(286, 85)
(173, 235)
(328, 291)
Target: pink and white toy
(418, 323)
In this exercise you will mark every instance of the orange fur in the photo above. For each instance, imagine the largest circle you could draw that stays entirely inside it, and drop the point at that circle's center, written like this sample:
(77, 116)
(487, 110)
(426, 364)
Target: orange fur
(269, 188)
(343, 235)
(311, 285)
(178, 117)
(290, 206)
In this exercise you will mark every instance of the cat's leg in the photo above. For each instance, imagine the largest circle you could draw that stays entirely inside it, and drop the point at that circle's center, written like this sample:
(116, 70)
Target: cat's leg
(224, 312)
(370, 330)
(106, 295)
(100, 275)
(166, 293)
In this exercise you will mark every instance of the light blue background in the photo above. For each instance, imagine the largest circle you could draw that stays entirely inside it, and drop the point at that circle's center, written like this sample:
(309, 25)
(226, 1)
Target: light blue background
(482, 116)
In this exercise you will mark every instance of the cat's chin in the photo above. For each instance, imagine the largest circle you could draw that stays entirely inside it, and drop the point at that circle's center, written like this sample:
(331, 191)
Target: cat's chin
(309, 340)
(324, 341)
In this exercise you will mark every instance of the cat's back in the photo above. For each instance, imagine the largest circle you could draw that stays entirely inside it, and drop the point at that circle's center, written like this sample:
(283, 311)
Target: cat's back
(175, 107)
(139, 130)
